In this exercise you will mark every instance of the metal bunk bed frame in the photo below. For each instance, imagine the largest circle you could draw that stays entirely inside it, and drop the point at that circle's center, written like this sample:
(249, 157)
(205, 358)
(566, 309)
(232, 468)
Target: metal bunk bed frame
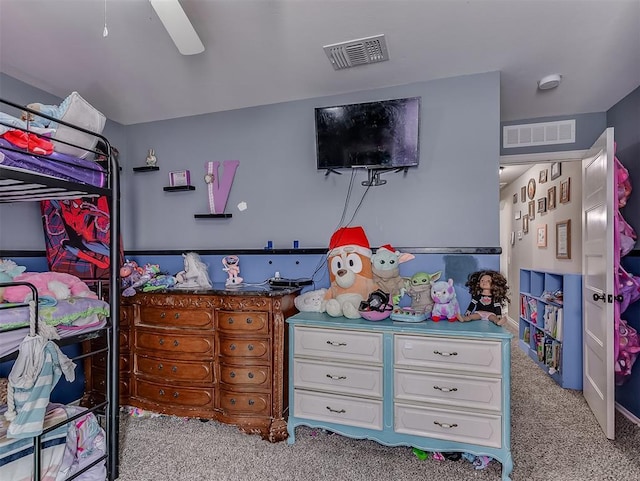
(36, 187)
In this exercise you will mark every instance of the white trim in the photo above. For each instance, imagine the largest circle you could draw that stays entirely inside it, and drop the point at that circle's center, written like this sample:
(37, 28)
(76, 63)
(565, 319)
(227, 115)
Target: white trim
(513, 323)
(628, 414)
(565, 156)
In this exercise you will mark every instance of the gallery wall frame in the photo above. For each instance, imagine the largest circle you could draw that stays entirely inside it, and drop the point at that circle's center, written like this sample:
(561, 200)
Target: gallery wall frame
(542, 205)
(565, 191)
(563, 239)
(551, 198)
(556, 170)
(542, 235)
(531, 188)
(523, 193)
(532, 210)
(543, 176)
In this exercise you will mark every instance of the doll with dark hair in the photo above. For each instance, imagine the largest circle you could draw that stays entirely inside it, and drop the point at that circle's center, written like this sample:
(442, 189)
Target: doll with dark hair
(489, 292)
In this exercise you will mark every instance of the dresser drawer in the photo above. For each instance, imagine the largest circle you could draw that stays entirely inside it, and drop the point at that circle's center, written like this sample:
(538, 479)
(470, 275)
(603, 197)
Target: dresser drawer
(247, 348)
(245, 403)
(100, 361)
(450, 425)
(243, 322)
(175, 396)
(459, 354)
(447, 389)
(173, 370)
(174, 343)
(172, 317)
(247, 376)
(338, 344)
(350, 411)
(338, 377)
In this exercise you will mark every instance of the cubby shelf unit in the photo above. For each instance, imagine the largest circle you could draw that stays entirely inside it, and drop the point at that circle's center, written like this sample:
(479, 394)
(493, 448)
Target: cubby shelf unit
(555, 346)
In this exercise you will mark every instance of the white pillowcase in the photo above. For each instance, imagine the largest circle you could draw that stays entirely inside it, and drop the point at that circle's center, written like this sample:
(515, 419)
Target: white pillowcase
(81, 113)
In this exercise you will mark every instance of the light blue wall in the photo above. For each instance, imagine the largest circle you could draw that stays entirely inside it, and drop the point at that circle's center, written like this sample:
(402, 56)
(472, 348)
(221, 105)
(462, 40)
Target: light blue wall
(450, 200)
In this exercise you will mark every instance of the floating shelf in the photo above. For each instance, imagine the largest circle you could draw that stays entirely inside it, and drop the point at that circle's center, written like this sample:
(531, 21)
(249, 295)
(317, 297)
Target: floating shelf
(178, 188)
(146, 168)
(213, 216)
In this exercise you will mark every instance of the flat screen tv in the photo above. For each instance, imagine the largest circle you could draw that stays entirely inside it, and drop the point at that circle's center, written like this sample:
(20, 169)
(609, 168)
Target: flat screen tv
(383, 134)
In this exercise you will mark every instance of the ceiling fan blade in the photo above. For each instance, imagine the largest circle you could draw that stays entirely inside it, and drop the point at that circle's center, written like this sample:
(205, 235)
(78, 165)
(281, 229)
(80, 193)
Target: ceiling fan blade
(178, 26)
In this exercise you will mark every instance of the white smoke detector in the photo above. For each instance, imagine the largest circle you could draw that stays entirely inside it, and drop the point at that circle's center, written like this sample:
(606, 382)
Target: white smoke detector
(361, 51)
(550, 81)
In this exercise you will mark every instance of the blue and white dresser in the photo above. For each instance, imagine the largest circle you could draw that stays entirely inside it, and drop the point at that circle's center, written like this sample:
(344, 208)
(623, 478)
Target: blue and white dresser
(435, 386)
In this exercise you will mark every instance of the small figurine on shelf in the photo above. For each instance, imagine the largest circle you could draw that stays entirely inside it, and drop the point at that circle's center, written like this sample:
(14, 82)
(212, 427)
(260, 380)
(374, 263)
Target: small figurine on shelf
(194, 274)
(232, 268)
(489, 292)
(151, 158)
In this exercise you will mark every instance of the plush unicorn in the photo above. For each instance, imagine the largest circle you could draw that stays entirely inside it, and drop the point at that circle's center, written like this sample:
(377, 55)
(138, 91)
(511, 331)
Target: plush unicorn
(445, 303)
(194, 274)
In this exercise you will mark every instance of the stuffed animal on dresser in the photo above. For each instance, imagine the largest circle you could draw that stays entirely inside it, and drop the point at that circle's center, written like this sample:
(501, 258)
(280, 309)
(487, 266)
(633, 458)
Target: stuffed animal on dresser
(350, 272)
(386, 270)
(445, 302)
(419, 289)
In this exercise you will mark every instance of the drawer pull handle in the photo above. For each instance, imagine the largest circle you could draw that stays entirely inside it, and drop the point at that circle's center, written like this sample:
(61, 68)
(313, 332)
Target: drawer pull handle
(161, 341)
(341, 411)
(176, 343)
(232, 374)
(333, 343)
(339, 378)
(445, 389)
(251, 402)
(160, 366)
(445, 354)
(232, 401)
(249, 320)
(161, 392)
(174, 369)
(177, 315)
(250, 375)
(176, 394)
(232, 347)
(250, 347)
(445, 425)
(230, 320)
(163, 315)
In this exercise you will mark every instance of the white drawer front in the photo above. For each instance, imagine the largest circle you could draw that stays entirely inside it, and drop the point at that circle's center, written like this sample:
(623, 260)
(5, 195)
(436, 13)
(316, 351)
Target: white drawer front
(459, 354)
(465, 427)
(364, 413)
(448, 389)
(338, 377)
(337, 344)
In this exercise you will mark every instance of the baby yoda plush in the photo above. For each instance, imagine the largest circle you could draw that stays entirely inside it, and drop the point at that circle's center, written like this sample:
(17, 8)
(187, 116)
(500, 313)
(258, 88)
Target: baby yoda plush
(419, 289)
(386, 270)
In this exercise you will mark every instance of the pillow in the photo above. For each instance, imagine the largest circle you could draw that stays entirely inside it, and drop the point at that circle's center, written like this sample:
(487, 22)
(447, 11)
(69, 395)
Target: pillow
(81, 113)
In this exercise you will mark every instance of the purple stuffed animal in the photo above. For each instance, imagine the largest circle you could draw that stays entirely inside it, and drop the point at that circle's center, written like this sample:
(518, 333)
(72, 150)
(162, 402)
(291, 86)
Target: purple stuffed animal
(445, 303)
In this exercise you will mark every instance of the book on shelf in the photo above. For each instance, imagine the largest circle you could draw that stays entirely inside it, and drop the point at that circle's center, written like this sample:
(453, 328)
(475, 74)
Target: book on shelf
(533, 311)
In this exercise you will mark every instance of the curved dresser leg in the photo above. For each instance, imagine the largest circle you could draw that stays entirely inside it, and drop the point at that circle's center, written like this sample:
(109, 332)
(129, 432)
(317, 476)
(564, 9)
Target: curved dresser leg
(507, 467)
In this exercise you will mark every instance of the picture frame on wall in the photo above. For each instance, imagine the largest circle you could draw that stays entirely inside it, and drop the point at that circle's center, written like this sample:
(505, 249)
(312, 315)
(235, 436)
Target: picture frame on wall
(513, 238)
(556, 169)
(551, 198)
(542, 205)
(532, 210)
(543, 176)
(518, 215)
(531, 188)
(542, 236)
(563, 239)
(515, 198)
(523, 194)
(565, 191)
(525, 223)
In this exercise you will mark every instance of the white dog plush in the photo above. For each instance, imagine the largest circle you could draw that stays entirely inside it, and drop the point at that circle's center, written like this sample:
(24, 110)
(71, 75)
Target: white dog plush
(310, 301)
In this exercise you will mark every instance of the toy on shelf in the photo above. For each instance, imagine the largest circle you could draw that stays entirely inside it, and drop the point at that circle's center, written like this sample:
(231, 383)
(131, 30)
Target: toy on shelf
(194, 274)
(419, 289)
(377, 307)
(386, 269)
(489, 292)
(445, 302)
(232, 268)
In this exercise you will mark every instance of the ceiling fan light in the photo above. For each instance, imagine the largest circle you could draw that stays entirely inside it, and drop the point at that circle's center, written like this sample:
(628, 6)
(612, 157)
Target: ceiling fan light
(178, 26)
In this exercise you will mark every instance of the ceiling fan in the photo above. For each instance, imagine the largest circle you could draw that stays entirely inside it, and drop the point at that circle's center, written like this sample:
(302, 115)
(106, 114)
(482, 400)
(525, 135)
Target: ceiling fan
(178, 26)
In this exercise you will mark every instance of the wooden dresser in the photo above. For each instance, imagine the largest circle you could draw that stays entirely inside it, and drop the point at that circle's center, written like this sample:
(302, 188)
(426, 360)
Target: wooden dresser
(435, 386)
(213, 354)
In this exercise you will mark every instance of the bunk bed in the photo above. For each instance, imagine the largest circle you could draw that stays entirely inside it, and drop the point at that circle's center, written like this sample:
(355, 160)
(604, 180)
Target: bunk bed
(34, 174)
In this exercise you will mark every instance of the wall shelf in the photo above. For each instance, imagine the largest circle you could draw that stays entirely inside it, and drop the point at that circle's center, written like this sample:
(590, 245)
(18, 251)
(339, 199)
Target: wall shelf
(550, 329)
(212, 216)
(146, 168)
(179, 188)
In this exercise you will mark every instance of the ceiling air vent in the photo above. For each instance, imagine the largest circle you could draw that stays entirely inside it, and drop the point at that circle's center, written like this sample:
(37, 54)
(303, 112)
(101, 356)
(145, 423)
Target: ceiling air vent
(357, 52)
(544, 133)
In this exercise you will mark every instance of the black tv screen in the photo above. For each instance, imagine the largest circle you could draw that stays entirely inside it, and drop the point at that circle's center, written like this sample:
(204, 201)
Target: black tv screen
(380, 134)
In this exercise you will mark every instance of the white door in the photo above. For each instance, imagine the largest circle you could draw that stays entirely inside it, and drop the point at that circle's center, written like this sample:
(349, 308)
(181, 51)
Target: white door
(598, 210)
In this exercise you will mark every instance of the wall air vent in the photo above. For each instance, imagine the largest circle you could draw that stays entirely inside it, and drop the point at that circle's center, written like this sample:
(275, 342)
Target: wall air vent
(357, 52)
(544, 133)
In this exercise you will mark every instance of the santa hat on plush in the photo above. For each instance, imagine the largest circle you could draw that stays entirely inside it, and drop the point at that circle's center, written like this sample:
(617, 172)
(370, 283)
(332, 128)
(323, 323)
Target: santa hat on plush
(349, 239)
(388, 248)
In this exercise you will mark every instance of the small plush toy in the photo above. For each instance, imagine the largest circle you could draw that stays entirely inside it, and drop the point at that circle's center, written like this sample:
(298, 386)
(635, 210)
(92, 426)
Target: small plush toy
(232, 268)
(386, 270)
(195, 273)
(310, 301)
(57, 285)
(8, 270)
(419, 289)
(489, 292)
(350, 272)
(445, 303)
